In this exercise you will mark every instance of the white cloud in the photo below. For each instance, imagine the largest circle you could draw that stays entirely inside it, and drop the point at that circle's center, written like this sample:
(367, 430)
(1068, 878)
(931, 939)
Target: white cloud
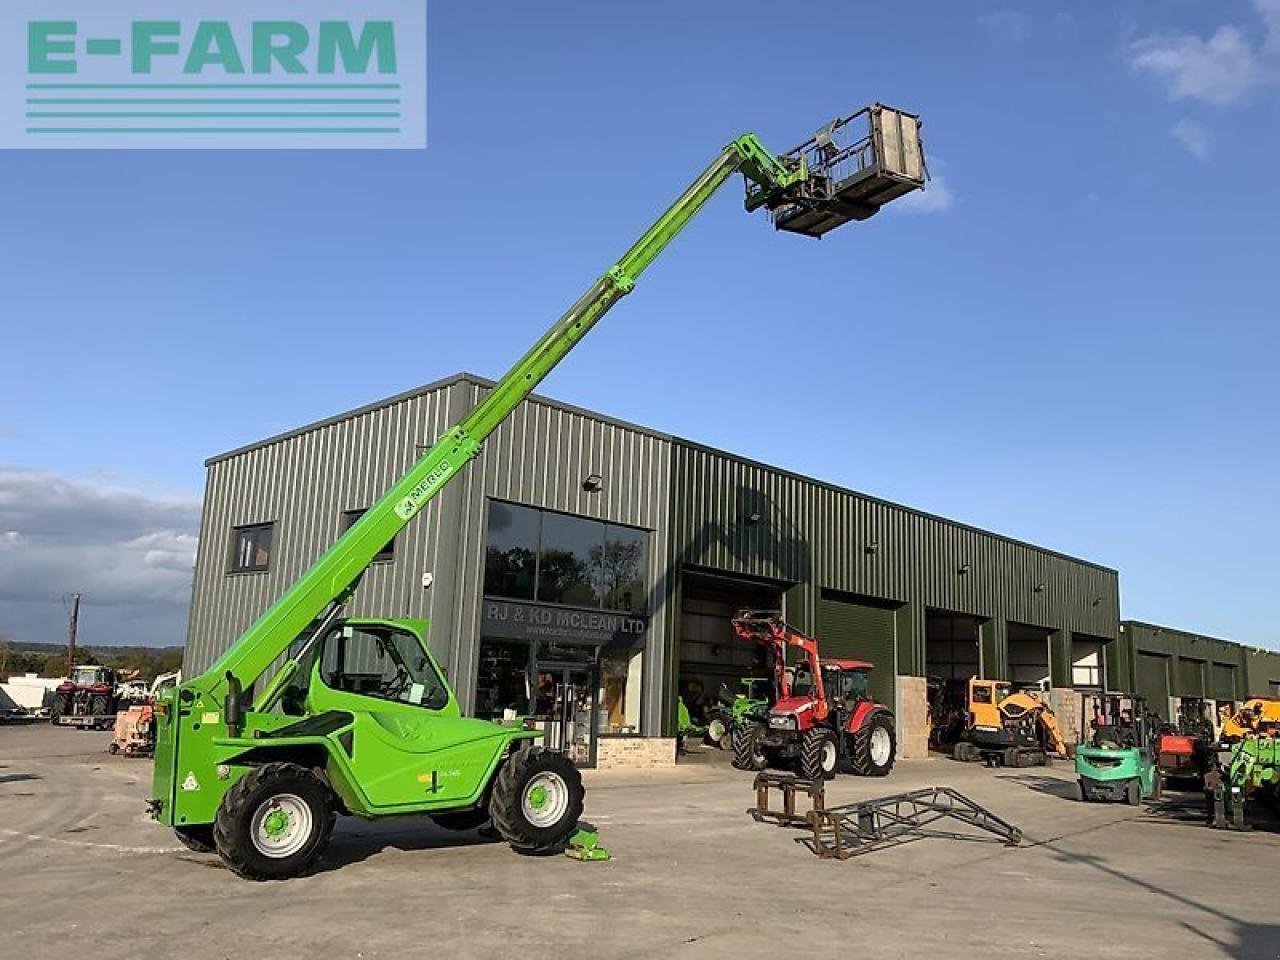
(1010, 26)
(935, 198)
(130, 554)
(1222, 70)
(1193, 136)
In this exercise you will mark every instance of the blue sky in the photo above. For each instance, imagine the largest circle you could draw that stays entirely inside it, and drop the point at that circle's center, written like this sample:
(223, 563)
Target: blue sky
(1071, 340)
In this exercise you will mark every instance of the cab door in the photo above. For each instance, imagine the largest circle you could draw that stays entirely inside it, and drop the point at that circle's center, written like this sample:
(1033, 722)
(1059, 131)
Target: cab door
(410, 748)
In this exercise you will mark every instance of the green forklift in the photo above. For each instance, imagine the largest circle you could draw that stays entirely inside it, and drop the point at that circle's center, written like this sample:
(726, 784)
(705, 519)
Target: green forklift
(1119, 763)
(257, 762)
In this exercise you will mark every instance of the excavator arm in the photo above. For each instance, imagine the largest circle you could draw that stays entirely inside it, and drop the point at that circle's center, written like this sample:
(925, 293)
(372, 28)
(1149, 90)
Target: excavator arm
(812, 185)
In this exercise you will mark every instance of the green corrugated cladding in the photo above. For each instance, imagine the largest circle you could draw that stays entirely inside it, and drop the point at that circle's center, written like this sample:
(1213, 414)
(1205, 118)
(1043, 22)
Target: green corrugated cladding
(811, 536)
(849, 629)
(1201, 666)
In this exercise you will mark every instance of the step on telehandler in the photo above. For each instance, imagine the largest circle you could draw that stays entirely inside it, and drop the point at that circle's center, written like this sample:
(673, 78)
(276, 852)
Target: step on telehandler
(822, 718)
(1005, 728)
(359, 719)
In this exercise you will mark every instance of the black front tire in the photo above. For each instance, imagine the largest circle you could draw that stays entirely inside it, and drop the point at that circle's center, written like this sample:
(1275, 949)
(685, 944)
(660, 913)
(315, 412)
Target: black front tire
(748, 754)
(235, 831)
(516, 807)
(869, 762)
(1133, 793)
(198, 837)
(818, 755)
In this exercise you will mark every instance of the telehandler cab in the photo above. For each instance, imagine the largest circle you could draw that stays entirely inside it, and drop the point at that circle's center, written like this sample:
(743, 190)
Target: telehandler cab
(359, 719)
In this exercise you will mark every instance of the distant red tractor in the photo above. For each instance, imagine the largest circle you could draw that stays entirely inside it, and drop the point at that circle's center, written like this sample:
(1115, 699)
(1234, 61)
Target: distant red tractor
(821, 719)
(86, 699)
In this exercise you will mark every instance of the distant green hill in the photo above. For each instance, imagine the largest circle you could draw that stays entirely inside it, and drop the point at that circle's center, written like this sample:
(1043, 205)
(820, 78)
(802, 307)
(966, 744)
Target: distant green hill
(50, 659)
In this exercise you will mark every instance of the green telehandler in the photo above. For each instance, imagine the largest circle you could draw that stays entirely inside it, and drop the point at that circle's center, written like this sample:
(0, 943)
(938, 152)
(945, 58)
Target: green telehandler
(360, 720)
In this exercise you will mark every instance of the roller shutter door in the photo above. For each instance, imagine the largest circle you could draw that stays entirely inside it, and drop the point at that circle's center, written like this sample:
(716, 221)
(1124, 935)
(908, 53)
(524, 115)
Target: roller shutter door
(1153, 681)
(862, 632)
(1190, 678)
(1224, 681)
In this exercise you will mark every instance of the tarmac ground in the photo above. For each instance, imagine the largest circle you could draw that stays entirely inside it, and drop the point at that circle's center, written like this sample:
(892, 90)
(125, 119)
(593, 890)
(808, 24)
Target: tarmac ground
(691, 876)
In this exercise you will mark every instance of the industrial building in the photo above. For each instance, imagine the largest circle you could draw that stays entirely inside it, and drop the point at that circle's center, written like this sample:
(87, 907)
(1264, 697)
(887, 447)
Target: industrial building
(585, 555)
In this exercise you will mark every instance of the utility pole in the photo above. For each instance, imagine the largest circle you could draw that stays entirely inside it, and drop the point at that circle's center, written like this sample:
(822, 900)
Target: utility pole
(71, 633)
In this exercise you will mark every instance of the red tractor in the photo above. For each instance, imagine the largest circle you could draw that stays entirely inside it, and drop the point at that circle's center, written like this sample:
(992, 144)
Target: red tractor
(821, 719)
(86, 699)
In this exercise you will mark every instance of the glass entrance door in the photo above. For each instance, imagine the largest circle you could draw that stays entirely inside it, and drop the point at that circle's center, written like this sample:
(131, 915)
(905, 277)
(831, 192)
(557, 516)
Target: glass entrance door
(565, 708)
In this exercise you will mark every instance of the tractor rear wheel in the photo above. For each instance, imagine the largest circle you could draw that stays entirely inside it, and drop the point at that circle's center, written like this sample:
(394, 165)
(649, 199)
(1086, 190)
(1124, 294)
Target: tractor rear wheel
(748, 754)
(873, 746)
(198, 837)
(818, 755)
(274, 823)
(537, 800)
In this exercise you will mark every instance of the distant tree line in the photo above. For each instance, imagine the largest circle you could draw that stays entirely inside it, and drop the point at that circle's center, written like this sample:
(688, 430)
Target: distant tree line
(50, 659)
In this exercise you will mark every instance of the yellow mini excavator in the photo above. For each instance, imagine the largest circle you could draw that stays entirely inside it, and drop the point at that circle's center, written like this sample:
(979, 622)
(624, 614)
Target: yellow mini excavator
(1008, 728)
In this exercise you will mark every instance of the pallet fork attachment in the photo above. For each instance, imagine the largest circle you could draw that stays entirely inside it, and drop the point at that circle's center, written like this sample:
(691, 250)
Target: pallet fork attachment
(852, 829)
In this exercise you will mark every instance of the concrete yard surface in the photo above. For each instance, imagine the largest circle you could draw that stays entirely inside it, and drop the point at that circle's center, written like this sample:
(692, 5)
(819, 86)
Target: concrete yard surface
(83, 870)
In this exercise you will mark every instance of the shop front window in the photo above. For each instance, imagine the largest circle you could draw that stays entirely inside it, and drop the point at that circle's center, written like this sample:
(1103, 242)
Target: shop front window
(568, 561)
(620, 685)
(557, 558)
(502, 680)
(621, 568)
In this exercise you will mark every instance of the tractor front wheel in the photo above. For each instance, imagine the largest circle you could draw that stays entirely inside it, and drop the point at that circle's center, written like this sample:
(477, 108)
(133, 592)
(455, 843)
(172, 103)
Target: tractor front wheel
(748, 754)
(274, 823)
(537, 800)
(873, 746)
(718, 732)
(818, 755)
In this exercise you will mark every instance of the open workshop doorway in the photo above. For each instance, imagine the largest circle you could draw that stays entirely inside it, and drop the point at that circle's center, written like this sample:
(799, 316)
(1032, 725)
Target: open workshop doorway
(710, 653)
(953, 654)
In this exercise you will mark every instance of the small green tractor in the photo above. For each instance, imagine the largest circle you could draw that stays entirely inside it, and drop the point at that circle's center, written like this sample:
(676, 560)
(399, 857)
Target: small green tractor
(753, 698)
(1119, 762)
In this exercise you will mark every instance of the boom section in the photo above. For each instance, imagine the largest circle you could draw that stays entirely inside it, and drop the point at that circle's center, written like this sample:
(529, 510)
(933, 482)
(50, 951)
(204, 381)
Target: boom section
(335, 574)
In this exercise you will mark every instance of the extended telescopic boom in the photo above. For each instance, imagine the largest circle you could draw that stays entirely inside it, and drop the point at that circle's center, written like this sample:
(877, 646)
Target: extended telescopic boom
(829, 180)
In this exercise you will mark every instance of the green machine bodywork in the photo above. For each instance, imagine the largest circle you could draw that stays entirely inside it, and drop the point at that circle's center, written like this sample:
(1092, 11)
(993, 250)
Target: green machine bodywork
(1252, 772)
(246, 759)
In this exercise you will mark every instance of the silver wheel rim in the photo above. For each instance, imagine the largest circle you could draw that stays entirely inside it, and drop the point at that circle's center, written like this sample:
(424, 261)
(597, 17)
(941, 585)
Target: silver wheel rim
(828, 756)
(716, 730)
(880, 746)
(281, 826)
(545, 799)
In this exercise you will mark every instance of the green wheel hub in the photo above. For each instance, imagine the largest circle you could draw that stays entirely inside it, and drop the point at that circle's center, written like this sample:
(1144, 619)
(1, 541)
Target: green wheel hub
(538, 797)
(275, 823)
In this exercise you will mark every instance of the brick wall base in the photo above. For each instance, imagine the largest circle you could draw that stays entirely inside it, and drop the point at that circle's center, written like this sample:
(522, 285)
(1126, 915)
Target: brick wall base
(635, 753)
(913, 717)
(1065, 704)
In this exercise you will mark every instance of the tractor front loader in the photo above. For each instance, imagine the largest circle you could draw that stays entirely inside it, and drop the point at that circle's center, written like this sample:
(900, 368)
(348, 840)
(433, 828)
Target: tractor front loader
(822, 718)
(359, 719)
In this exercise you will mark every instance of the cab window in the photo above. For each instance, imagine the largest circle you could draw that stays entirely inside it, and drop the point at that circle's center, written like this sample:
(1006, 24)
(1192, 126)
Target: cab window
(981, 694)
(383, 663)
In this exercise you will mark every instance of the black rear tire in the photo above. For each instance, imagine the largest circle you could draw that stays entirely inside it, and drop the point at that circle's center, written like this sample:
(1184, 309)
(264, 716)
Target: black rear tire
(98, 706)
(818, 755)
(241, 839)
(1133, 793)
(461, 820)
(533, 822)
(748, 754)
(867, 753)
(198, 837)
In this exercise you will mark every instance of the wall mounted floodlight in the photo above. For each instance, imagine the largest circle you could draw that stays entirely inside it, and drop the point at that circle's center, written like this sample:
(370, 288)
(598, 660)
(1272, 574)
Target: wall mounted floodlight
(593, 483)
(752, 518)
(873, 546)
(964, 569)
(1039, 588)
